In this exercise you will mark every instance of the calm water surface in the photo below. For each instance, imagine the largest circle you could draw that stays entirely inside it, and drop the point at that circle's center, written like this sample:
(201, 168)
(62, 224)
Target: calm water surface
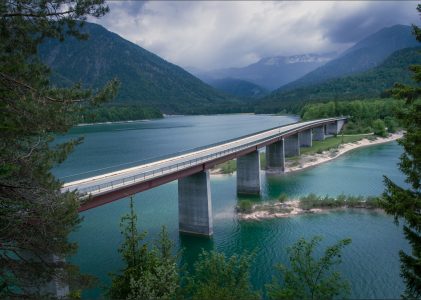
(370, 263)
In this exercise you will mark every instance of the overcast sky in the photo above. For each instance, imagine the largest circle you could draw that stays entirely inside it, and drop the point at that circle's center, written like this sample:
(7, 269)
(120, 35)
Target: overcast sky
(212, 35)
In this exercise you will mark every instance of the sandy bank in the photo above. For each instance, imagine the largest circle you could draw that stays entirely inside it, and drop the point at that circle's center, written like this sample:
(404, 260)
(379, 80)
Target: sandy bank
(306, 161)
(310, 160)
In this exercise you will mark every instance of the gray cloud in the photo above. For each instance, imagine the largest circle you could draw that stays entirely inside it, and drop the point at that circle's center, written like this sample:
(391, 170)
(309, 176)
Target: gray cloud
(212, 34)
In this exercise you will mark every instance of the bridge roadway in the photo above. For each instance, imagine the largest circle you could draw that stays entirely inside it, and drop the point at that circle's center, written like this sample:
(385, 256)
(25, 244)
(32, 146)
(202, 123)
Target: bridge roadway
(112, 186)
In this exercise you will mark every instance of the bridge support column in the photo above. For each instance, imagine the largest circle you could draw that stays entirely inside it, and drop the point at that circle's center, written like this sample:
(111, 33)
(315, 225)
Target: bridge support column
(292, 146)
(275, 157)
(333, 128)
(319, 133)
(195, 204)
(306, 138)
(248, 173)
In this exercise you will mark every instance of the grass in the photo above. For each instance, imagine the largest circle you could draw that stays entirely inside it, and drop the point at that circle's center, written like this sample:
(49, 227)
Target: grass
(230, 166)
(331, 143)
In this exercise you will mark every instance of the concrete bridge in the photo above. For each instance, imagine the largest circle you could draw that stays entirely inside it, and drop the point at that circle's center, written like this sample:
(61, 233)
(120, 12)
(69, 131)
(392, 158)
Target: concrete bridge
(192, 171)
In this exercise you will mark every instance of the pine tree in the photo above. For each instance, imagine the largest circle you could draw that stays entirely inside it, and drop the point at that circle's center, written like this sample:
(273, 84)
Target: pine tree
(308, 277)
(218, 277)
(35, 217)
(148, 273)
(406, 202)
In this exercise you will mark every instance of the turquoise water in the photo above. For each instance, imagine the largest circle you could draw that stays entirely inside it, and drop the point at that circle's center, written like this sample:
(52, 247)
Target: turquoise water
(370, 263)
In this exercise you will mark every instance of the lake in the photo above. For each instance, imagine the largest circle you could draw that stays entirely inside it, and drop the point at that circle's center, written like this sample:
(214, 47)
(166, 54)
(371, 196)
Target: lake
(370, 263)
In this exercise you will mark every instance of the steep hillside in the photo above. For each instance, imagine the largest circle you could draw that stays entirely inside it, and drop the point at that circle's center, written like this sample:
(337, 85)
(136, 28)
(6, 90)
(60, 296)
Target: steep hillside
(366, 54)
(238, 87)
(369, 84)
(145, 78)
(270, 72)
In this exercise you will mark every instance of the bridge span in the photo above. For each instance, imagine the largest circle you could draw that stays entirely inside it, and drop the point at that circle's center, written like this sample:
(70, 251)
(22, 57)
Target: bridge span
(192, 171)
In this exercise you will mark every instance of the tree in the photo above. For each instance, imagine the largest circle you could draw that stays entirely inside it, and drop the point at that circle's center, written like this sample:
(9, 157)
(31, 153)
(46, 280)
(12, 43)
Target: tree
(35, 217)
(310, 278)
(148, 273)
(404, 202)
(218, 277)
(379, 128)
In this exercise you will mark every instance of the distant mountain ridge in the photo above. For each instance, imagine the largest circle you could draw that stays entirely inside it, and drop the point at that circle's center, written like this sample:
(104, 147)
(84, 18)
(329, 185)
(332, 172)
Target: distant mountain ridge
(145, 78)
(372, 83)
(364, 55)
(270, 72)
(238, 87)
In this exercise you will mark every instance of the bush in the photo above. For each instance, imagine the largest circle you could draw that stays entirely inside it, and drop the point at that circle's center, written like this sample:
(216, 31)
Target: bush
(245, 206)
(379, 128)
(283, 197)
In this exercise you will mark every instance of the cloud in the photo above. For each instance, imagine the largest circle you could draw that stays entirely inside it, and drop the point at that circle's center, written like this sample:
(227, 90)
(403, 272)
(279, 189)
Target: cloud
(210, 35)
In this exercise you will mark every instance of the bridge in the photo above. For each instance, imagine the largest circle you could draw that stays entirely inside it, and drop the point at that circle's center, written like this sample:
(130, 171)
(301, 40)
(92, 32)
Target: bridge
(192, 171)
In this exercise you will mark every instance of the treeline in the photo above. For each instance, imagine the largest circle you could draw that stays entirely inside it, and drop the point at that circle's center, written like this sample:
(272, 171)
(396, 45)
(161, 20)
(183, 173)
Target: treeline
(378, 116)
(119, 113)
(151, 271)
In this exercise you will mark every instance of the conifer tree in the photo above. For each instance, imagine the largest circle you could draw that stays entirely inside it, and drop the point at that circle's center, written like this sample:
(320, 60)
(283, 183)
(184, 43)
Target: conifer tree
(149, 272)
(35, 217)
(405, 202)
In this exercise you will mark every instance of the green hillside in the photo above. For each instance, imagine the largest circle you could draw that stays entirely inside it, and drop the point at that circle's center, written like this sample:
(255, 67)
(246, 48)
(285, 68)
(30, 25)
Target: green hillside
(369, 84)
(145, 78)
(238, 87)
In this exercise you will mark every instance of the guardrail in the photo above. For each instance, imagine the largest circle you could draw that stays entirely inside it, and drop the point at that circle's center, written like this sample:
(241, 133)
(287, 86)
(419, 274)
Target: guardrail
(144, 176)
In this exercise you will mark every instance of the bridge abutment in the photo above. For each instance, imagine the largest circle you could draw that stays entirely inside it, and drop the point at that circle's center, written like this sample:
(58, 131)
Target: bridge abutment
(248, 173)
(292, 146)
(195, 204)
(306, 138)
(319, 133)
(275, 156)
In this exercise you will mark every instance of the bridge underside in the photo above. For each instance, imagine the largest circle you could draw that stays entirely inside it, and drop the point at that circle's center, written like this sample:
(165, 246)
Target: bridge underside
(195, 209)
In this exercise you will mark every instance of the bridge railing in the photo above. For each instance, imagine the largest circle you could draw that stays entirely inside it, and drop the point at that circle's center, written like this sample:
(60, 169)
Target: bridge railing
(143, 176)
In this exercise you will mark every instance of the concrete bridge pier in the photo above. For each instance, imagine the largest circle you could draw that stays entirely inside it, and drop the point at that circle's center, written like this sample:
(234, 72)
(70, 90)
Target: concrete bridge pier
(335, 127)
(248, 173)
(292, 145)
(306, 138)
(195, 204)
(319, 133)
(275, 156)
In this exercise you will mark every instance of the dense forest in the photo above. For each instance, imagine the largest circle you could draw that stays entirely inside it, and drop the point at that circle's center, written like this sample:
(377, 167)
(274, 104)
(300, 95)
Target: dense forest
(365, 115)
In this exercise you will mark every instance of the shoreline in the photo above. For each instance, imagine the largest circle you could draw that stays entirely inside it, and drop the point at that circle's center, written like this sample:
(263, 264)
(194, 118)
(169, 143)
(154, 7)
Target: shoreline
(306, 161)
(311, 160)
(290, 208)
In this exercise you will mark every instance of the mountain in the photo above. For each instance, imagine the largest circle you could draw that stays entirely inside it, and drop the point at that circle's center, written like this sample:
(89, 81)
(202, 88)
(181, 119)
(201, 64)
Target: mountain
(364, 55)
(238, 87)
(270, 72)
(369, 84)
(145, 78)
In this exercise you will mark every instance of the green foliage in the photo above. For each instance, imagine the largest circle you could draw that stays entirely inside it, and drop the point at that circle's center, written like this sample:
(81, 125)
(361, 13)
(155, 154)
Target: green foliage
(283, 197)
(35, 217)
(309, 277)
(228, 167)
(313, 201)
(120, 113)
(218, 277)
(245, 206)
(361, 113)
(331, 143)
(366, 85)
(148, 273)
(146, 79)
(405, 202)
(379, 128)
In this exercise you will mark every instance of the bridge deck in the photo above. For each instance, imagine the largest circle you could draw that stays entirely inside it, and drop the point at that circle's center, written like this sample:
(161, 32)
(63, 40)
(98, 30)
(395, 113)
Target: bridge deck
(115, 185)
